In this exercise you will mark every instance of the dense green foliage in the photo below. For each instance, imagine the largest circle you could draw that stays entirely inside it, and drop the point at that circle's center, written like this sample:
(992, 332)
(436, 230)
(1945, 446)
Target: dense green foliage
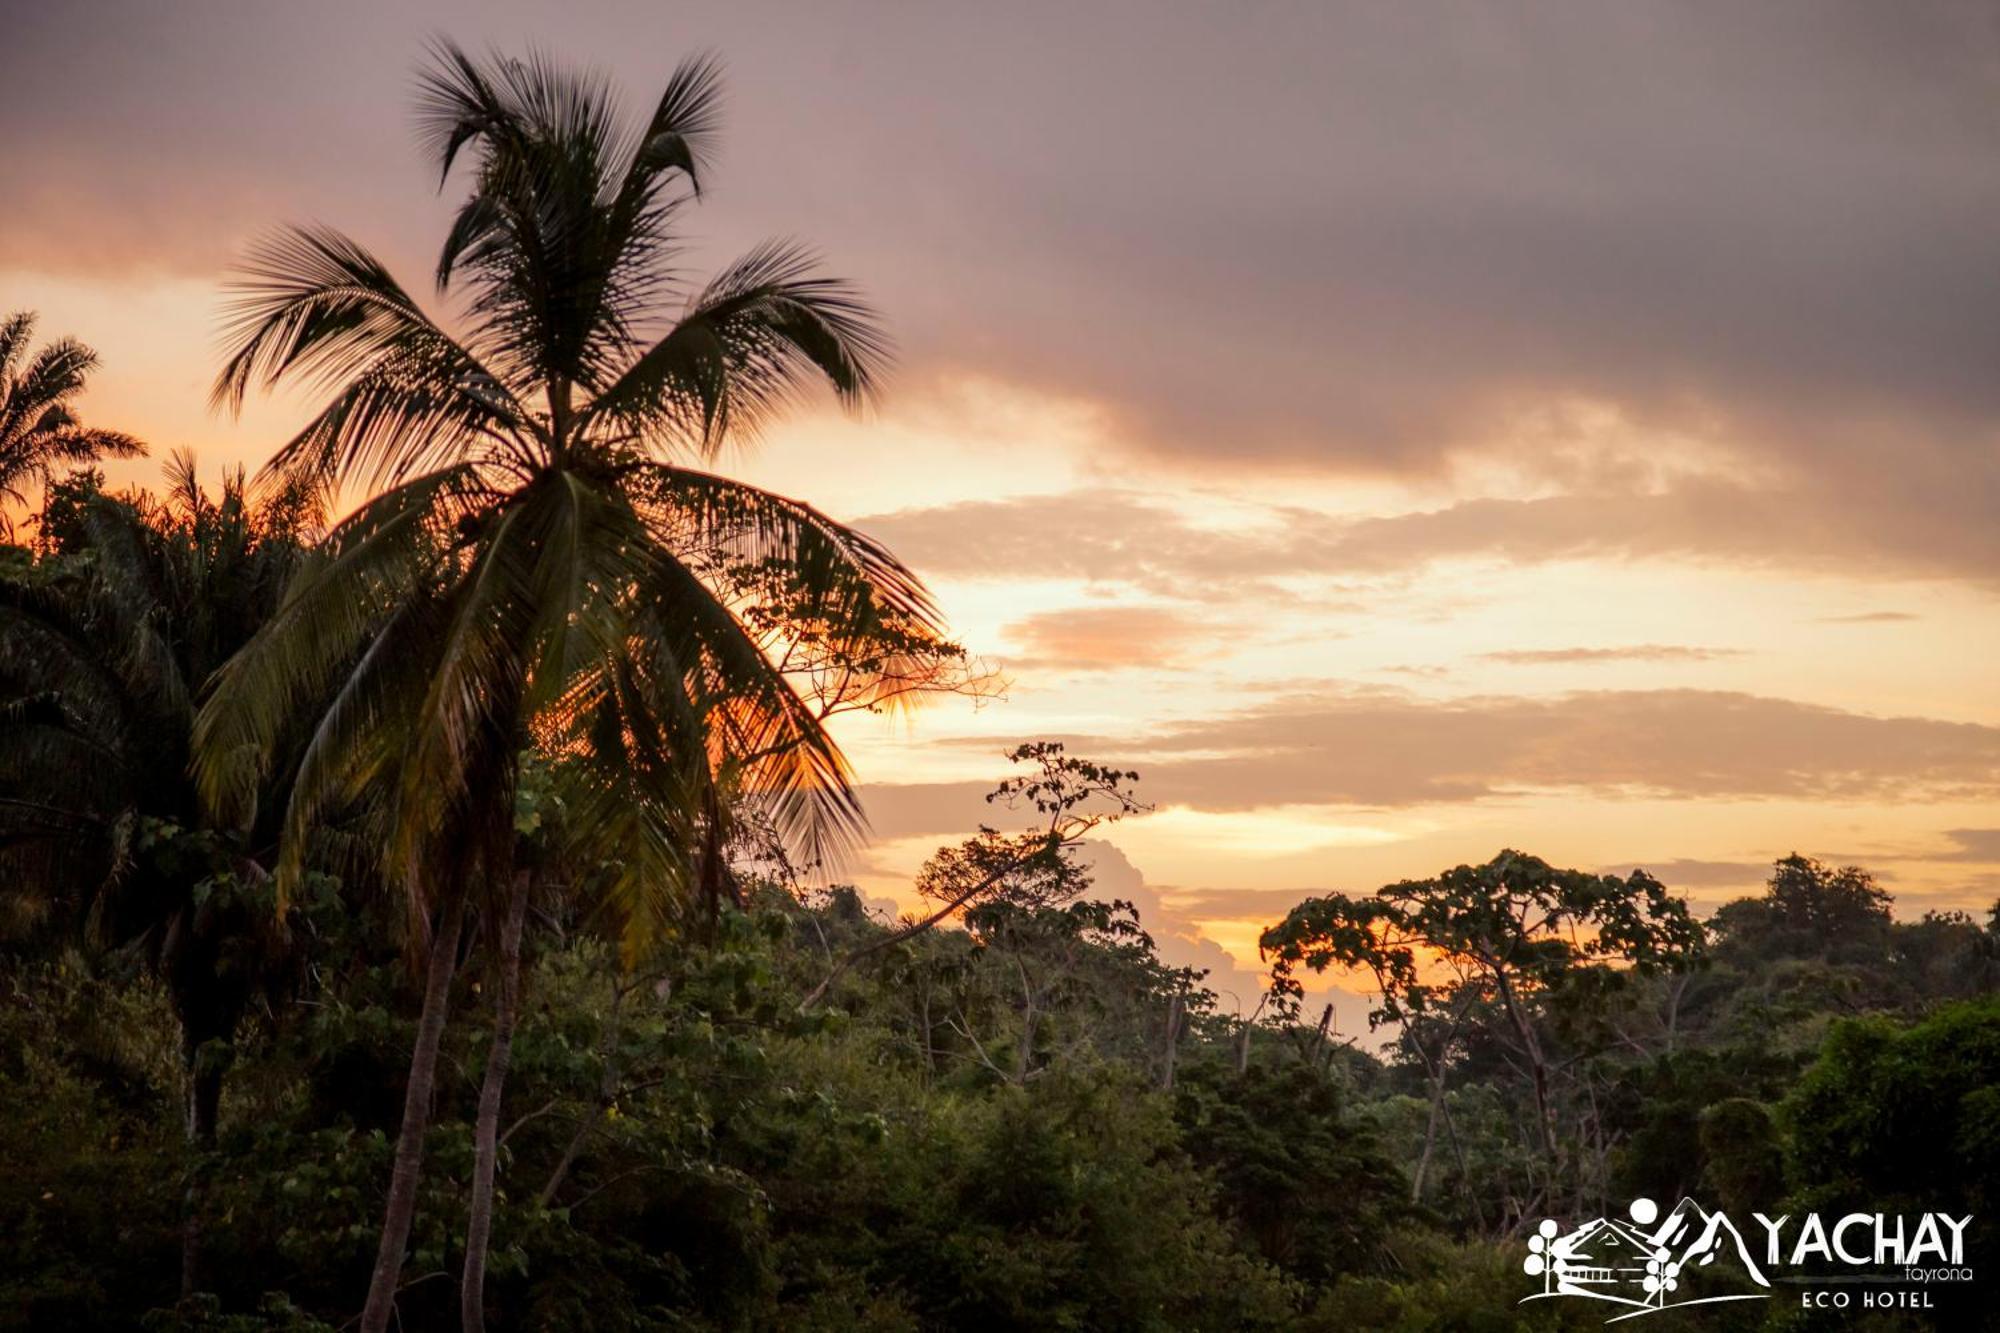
(686, 1148)
(1008, 1112)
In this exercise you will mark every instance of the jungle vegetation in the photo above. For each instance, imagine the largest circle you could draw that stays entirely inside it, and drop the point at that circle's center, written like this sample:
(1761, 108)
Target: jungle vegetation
(414, 865)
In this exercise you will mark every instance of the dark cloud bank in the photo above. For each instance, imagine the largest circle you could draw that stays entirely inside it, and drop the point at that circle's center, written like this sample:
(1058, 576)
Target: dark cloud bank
(1341, 238)
(1387, 750)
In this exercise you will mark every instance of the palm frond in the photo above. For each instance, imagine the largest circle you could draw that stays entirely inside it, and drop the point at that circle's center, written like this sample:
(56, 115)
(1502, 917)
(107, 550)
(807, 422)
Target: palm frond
(356, 740)
(679, 136)
(472, 688)
(85, 444)
(456, 103)
(15, 331)
(337, 599)
(546, 258)
(628, 787)
(312, 304)
(55, 374)
(744, 348)
(750, 714)
(836, 566)
(39, 430)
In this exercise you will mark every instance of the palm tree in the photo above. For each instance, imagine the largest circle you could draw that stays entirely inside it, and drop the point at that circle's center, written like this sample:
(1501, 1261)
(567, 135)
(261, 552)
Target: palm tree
(39, 431)
(544, 560)
(104, 647)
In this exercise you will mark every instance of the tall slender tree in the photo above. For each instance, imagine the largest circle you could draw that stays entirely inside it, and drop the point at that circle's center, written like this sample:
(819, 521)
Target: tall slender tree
(39, 429)
(540, 559)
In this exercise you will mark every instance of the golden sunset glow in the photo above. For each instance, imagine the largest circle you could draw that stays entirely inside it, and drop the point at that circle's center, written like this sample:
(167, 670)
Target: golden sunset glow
(1373, 547)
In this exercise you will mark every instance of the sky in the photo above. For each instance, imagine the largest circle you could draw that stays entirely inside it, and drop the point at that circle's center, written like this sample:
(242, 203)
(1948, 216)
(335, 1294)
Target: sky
(1398, 432)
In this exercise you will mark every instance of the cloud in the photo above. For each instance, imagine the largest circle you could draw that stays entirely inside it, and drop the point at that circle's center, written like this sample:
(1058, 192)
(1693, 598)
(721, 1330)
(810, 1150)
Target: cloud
(1384, 749)
(1387, 748)
(1339, 240)
(1182, 941)
(1677, 873)
(1682, 872)
(1271, 904)
(1934, 528)
(1103, 638)
(1642, 652)
(1969, 844)
(1871, 618)
(929, 809)
(1922, 527)
(1107, 536)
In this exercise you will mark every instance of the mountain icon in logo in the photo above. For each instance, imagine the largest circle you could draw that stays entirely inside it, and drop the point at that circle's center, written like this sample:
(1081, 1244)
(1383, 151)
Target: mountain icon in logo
(1697, 1239)
(1694, 1256)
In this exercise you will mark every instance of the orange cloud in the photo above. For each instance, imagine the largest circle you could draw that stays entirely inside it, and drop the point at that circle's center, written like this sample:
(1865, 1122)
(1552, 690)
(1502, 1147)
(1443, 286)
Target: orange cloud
(1104, 638)
(1643, 652)
(1388, 749)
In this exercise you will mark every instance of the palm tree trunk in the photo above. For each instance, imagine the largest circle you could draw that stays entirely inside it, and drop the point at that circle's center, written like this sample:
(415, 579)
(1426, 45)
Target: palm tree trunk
(486, 1137)
(204, 1099)
(401, 1208)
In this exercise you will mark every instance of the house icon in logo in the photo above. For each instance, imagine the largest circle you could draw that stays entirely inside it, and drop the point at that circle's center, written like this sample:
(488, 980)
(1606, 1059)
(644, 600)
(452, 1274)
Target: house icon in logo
(1644, 1261)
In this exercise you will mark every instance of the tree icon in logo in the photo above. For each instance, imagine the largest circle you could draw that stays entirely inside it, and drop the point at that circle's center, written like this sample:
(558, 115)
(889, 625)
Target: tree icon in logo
(1663, 1272)
(1540, 1263)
